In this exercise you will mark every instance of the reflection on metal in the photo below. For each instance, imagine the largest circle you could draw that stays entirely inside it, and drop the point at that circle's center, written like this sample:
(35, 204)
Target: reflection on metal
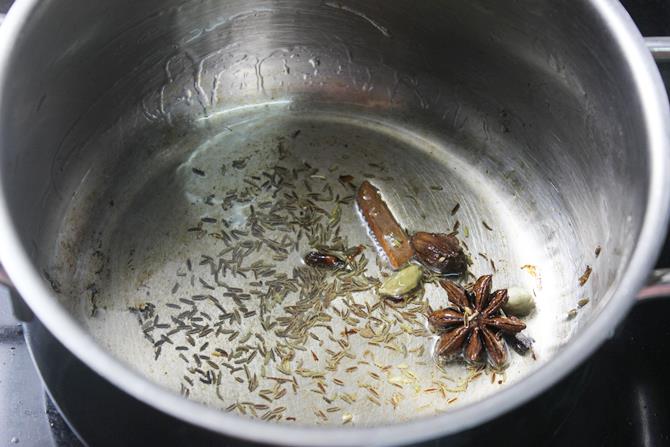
(645, 416)
(659, 47)
(658, 285)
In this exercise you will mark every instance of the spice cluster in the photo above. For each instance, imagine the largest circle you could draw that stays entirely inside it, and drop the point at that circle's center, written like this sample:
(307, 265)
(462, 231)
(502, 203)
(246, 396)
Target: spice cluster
(284, 305)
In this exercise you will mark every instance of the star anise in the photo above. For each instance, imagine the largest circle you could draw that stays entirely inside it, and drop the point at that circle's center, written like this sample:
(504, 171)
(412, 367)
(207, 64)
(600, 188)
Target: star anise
(475, 324)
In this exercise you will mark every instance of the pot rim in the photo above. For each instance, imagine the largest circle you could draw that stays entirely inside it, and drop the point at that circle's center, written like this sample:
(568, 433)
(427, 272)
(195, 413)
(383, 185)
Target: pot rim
(64, 327)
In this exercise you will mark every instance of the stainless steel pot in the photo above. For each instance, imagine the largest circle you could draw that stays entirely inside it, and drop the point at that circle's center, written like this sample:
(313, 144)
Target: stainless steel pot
(552, 115)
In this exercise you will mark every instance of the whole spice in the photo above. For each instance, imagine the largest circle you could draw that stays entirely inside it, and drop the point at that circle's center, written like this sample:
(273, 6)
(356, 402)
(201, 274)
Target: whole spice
(439, 252)
(323, 260)
(519, 342)
(520, 302)
(346, 179)
(383, 226)
(402, 282)
(585, 276)
(475, 325)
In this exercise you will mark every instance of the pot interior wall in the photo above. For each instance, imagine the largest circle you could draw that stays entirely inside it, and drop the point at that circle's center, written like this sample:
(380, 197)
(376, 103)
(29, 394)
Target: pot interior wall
(521, 113)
